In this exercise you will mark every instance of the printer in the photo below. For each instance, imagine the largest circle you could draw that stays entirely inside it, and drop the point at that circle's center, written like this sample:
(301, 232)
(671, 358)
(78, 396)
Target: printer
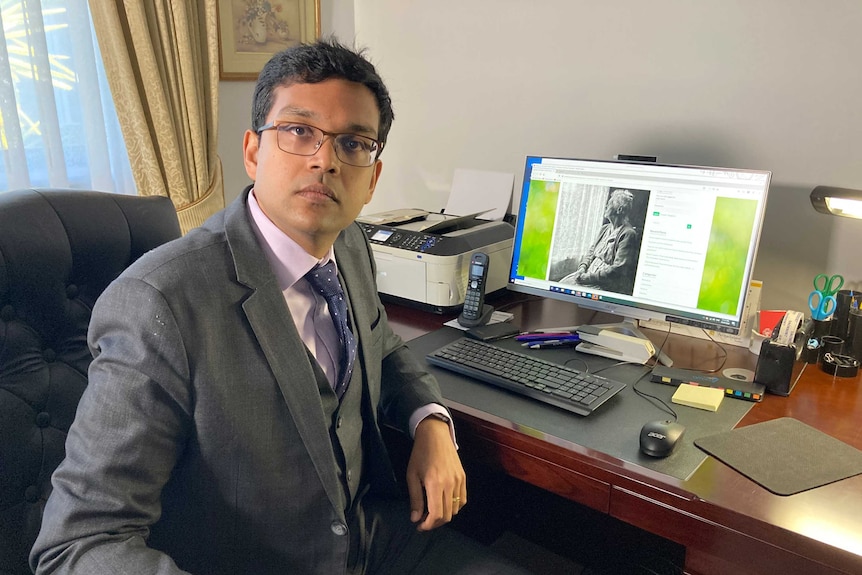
(424, 264)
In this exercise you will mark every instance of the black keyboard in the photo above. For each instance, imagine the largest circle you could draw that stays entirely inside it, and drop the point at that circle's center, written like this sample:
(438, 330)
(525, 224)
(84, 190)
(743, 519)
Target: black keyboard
(545, 381)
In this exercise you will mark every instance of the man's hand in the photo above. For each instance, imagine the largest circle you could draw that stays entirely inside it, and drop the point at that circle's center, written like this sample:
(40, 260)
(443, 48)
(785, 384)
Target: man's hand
(435, 477)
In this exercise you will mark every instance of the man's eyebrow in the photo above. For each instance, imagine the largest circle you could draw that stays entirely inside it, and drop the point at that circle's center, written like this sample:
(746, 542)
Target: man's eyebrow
(361, 129)
(305, 114)
(294, 111)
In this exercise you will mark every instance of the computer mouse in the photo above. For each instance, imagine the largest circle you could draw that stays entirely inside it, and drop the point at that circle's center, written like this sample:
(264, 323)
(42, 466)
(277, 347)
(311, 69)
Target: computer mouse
(658, 438)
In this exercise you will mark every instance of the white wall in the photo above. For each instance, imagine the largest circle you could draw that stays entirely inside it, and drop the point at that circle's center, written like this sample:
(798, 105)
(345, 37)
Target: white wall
(765, 84)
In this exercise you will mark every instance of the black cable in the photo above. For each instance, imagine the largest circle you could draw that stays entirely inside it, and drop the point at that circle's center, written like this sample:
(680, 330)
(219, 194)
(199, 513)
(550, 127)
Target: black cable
(583, 361)
(651, 398)
(664, 342)
(722, 348)
(619, 363)
(657, 401)
(506, 306)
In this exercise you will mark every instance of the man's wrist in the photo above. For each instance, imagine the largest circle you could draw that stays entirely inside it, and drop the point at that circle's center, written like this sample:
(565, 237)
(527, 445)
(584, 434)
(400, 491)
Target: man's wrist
(441, 417)
(437, 413)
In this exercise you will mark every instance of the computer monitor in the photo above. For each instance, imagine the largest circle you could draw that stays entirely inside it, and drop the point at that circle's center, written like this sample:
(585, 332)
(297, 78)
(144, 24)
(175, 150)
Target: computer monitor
(640, 240)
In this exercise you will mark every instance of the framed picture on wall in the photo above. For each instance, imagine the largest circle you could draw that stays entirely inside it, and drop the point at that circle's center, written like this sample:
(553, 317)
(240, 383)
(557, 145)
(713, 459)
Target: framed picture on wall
(251, 31)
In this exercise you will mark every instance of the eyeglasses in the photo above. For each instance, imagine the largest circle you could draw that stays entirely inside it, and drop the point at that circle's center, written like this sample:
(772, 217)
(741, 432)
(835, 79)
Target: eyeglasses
(305, 140)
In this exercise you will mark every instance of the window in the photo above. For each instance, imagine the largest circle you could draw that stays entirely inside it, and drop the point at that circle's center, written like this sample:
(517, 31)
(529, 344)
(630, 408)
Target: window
(58, 125)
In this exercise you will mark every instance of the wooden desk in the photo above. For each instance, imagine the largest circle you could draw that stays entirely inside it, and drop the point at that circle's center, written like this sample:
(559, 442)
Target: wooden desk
(727, 523)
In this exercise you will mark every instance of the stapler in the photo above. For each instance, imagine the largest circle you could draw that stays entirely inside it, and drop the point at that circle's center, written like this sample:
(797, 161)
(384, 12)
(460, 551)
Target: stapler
(607, 343)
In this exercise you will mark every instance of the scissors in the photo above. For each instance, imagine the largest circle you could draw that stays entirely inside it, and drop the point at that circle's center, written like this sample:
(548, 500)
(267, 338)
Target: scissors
(827, 287)
(821, 301)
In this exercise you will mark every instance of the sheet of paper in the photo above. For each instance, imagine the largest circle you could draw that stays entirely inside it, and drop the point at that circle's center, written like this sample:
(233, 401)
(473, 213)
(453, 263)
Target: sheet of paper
(477, 190)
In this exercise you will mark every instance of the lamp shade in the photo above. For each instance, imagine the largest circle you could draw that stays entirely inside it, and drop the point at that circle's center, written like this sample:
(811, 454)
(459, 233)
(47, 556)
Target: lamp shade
(837, 201)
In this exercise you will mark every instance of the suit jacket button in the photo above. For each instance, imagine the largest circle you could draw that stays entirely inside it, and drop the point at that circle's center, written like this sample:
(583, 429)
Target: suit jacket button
(338, 422)
(43, 419)
(338, 528)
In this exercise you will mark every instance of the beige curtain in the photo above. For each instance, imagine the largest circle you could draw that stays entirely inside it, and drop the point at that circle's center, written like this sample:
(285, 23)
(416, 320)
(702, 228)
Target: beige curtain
(161, 59)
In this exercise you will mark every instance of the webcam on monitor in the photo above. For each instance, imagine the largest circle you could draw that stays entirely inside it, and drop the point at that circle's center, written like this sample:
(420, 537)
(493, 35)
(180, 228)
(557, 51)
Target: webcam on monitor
(635, 158)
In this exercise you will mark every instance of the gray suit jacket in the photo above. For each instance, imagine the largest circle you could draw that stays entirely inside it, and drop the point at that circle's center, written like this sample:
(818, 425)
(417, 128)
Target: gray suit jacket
(200, 443)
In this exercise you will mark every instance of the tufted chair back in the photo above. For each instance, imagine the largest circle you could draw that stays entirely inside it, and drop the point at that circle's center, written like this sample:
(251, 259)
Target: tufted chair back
(59, 249)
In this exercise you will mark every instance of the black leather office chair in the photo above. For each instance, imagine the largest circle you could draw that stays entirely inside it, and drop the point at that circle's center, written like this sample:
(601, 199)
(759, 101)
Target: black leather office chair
(59, 249)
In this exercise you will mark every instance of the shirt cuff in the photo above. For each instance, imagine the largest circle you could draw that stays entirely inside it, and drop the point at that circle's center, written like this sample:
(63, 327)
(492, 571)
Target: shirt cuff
(432, 410)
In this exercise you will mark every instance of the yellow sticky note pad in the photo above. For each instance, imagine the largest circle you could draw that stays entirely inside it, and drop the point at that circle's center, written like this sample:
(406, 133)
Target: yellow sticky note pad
(708, 398)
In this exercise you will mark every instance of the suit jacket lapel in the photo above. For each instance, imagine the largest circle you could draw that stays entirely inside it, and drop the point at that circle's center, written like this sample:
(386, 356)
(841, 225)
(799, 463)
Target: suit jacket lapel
(274, 329)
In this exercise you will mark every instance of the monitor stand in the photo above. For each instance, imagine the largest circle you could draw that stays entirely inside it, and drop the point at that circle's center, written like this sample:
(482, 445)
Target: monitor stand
(629, 327)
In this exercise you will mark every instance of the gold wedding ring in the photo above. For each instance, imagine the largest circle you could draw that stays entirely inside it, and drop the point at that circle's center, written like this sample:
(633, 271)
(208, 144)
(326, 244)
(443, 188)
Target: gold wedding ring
(456, 500)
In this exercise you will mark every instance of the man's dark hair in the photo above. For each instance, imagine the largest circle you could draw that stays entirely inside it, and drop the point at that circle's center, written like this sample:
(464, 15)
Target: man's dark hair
(313, 63)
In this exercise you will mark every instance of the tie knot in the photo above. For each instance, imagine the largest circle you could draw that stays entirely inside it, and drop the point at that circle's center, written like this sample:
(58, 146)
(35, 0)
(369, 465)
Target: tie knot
(324, 280)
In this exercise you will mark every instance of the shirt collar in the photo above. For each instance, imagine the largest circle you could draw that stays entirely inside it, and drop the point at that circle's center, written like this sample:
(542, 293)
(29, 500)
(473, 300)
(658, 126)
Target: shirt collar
(288, 260)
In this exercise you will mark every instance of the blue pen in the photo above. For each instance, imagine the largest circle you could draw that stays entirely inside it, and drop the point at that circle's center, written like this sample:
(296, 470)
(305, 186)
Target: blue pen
(553, 330)
(555, 338)
(541, 336)
(556, 341)
(552, 343)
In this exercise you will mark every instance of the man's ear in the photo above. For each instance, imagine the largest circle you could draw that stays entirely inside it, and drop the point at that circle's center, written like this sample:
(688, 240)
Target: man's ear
(375, 176)
(250, 148)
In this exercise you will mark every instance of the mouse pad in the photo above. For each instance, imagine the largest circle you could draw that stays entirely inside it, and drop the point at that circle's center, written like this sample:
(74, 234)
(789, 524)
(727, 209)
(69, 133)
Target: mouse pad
(784, 455)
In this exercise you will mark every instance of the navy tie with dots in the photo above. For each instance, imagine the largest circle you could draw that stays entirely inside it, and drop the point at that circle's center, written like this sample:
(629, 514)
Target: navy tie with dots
(324, 280)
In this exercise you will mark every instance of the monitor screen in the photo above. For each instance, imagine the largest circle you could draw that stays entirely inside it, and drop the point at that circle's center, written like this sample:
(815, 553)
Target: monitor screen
(640, 240)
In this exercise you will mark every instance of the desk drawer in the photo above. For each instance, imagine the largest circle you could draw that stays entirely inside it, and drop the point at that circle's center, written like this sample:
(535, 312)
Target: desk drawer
(477, 446)
(711, 548)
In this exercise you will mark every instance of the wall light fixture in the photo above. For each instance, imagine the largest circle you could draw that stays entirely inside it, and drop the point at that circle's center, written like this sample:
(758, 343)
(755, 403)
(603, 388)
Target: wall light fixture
(837, 201)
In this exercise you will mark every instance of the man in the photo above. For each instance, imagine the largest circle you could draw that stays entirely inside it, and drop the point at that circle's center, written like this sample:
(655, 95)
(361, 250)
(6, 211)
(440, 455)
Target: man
(612, 260)
(232, 418)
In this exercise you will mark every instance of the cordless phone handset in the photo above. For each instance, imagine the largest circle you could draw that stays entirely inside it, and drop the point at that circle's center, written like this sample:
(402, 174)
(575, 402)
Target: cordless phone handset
(475, 311)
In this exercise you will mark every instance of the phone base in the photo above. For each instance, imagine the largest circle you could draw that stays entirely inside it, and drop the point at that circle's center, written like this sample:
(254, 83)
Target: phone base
(487, 310)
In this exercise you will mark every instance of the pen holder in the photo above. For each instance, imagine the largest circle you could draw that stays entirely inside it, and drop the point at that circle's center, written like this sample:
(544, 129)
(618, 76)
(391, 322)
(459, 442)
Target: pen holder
(831, 344)
(810, 349)
(853, 347)
(845, 301)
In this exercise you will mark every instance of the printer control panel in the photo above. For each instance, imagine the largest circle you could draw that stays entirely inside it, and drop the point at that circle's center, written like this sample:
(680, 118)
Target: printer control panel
(403, 239)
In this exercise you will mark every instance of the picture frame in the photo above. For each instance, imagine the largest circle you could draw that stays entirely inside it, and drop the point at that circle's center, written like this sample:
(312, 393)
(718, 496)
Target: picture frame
(251, 31)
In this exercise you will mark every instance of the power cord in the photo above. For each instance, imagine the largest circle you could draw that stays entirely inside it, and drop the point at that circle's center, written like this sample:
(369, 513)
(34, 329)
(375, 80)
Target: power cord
(723, 359)
(586, 365)
(516, 302)
(657, 401)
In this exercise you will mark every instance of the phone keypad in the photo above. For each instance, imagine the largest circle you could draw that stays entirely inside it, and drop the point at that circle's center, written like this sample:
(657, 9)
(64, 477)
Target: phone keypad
(471, 299)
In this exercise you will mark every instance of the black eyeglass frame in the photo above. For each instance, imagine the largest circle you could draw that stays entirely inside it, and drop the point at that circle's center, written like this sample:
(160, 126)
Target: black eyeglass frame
(334, 135)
